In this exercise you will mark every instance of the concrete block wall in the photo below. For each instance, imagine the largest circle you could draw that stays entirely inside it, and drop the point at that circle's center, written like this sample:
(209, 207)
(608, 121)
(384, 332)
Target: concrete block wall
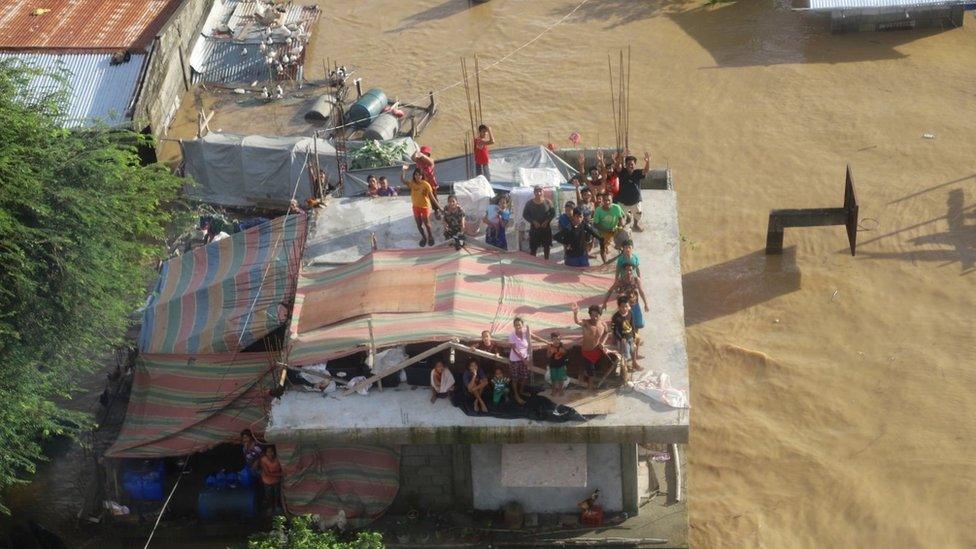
(167, 74)
(433, 476)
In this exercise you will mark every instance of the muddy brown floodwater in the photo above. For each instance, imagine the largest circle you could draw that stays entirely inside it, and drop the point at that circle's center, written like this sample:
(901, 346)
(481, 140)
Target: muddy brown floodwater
(833, 398)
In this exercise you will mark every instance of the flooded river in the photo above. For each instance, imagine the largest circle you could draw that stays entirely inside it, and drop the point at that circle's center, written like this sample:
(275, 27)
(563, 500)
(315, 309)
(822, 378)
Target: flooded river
(833, 397)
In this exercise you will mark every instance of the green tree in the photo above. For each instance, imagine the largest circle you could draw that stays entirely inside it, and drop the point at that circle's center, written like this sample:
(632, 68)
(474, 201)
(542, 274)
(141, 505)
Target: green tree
(81, 222)
(300, 535)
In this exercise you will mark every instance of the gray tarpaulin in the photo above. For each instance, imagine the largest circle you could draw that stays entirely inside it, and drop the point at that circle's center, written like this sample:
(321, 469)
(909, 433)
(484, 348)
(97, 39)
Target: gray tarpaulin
(237, 170)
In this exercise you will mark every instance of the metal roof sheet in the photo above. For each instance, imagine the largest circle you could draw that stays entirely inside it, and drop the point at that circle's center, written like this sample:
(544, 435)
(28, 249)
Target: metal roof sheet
(91, 25)
(872, 4)
(99, 91)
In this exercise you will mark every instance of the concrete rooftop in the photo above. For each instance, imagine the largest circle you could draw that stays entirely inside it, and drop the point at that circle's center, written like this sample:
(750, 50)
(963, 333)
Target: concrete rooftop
(405, 415)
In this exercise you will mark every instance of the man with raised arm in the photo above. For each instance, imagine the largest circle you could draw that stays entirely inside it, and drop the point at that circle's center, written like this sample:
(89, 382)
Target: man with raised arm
(630, 179)
(594, 337)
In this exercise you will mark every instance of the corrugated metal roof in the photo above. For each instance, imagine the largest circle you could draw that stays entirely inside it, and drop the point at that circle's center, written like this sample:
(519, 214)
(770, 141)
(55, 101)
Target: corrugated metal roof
(99, 91)
(91, 25)
(235, 57)
(225, 61)
(872, 4)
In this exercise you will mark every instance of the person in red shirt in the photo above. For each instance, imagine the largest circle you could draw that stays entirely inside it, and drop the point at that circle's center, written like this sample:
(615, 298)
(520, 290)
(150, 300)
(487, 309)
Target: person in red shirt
(271, 480)
(425, 163)
(481, 151)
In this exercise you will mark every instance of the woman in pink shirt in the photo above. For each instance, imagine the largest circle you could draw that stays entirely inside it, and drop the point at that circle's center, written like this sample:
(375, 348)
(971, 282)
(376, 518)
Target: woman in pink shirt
(520, 356)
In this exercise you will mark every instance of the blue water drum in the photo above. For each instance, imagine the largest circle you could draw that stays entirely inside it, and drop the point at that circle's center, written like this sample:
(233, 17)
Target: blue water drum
(367, 108)
(229, 503)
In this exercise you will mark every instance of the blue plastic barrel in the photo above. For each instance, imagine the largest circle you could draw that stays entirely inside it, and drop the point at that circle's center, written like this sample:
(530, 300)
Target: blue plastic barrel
(367, 108)
(230, 503)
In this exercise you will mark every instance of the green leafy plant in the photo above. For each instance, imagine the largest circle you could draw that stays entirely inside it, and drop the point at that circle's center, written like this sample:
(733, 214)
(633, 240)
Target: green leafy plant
(81, 223)
(300, 534)
(376, 154)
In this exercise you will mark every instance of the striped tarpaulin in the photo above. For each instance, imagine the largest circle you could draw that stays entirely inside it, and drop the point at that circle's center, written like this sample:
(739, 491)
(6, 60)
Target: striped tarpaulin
(321, 480)
(226, 295)
(477, 288)
(183, 404)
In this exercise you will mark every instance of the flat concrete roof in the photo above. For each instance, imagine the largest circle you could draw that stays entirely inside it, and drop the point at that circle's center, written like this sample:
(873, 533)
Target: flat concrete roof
(404, 415)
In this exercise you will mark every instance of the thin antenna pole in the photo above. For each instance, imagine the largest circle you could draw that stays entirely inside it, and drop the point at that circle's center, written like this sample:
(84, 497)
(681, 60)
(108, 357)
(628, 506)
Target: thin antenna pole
(477, 81)
(613, 104)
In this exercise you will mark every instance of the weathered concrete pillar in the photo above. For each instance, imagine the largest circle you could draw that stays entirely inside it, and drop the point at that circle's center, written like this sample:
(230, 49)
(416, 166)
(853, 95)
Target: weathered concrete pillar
(628, 478)
(672, 475)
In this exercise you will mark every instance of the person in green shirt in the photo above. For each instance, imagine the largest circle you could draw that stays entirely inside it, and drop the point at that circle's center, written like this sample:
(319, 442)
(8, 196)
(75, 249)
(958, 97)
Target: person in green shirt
(607, 219)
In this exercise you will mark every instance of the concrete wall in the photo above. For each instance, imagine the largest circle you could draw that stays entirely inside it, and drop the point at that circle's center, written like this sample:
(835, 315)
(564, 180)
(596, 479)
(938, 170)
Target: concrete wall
(436, 476)
(603, 472)
(948, 17)
(167, 75)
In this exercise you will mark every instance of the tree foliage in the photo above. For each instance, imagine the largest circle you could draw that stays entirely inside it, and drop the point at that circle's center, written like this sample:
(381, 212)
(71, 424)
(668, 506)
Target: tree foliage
(300, 535)
(81, 223)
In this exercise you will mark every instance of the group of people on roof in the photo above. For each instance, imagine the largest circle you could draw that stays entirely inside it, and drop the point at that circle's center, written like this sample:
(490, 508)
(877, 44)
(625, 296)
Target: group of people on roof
(607, 206)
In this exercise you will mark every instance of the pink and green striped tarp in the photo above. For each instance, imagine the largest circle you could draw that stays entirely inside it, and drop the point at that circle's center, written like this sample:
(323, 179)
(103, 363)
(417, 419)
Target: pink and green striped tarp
(477, 288)
(182, 404)
(226, 295)
(322, 479)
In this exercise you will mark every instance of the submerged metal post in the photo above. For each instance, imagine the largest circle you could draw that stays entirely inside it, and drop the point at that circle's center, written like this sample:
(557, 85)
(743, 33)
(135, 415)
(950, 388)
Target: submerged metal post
(846, 215)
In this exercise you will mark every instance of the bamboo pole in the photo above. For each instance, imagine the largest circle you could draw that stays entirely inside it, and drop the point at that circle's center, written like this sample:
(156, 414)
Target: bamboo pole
(627, 124)
(477, 83)
(613, 103)
(398, 367)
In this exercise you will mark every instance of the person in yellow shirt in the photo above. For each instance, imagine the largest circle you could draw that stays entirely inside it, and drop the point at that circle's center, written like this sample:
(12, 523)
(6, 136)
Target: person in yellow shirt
(423, 198)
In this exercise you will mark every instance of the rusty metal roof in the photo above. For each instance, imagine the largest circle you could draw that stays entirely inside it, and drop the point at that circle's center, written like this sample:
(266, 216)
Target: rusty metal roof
(82, 25)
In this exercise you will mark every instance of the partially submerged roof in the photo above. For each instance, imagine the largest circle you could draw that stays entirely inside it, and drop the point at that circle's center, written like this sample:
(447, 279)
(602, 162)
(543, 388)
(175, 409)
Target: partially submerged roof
(475, 290)
(226, 295)
(82, 25)
(99, 92)
(815, 5)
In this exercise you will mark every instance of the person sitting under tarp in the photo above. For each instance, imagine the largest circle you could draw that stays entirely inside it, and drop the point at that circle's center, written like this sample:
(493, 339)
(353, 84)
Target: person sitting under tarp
(474, 384)
(441, 382)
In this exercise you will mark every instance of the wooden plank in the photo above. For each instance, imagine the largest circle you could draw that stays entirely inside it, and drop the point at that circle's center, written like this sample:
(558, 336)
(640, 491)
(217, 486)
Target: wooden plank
(398, 367)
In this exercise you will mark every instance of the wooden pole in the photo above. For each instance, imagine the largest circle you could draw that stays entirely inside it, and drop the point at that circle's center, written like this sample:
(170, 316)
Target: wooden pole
(398, 367)
(372, 341)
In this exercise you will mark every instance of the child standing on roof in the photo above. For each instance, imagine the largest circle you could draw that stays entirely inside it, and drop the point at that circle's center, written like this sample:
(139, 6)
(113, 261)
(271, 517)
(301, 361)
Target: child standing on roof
(482, 144)
(423, 198)
(496, 219)
(558, 361)
(627, 257)
(453, 217)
